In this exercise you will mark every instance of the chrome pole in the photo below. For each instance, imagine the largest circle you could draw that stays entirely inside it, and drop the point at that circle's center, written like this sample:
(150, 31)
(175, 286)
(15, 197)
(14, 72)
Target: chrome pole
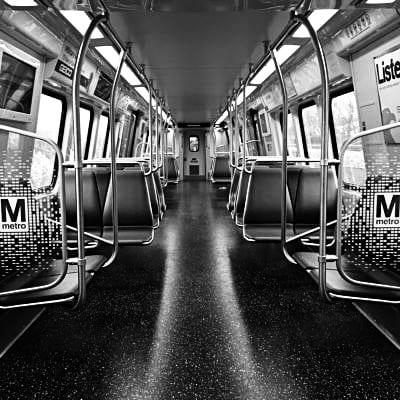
(150, 89)
(237, 135)
(230, 136)
(113, 156)
(324, 163)
(76, 79)
(285, 102)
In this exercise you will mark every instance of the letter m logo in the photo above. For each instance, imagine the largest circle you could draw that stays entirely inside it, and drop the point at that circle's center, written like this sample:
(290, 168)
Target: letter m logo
(13, 214)
(387, 210)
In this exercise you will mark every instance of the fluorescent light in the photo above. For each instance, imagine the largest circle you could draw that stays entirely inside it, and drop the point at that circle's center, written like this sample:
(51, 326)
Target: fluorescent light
(129, 75)
(80, 21)
(380, 1)
(110, 54)
(21, 3)
(222, 117)
(268, 69)
(143, 92)
(318, 19)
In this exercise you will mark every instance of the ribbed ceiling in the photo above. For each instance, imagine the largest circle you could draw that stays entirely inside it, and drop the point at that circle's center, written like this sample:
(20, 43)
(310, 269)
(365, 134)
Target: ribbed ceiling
(199, 5)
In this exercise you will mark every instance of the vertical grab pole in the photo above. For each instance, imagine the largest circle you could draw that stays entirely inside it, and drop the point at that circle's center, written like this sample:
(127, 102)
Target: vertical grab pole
(324, 163)
(150, 90)
(285, 102)
(78, 165)
(244, 125)
(115, 222)
(230, 136)
(245, 130)
(156, 129)
(237, 136)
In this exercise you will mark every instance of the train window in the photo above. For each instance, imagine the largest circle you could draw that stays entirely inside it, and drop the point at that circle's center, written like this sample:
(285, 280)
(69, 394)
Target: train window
(292, 142)
(311, 125)
(86, 114)
(50, 122)
(118, 132)
(346, 123)
(221, 141)
(194, 144)
(100, 140)
(345, 117)
(312, 129)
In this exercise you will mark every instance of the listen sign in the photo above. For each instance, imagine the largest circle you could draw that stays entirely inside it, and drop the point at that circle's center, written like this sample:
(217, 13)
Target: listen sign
(387, 69)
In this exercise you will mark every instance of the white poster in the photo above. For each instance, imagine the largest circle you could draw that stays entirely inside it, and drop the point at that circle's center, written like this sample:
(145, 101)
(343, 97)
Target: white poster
(387, 69)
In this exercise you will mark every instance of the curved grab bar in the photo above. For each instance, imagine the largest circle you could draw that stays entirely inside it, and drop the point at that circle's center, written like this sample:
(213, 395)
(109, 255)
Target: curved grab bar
(76, 78)
(114, 188)
(322, 260)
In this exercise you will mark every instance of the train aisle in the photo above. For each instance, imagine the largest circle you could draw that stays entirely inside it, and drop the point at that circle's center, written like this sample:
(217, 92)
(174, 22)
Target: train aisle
(201, 314)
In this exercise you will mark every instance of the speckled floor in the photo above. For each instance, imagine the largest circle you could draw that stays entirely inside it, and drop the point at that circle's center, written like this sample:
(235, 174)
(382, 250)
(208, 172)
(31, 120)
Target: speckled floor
(201, 314)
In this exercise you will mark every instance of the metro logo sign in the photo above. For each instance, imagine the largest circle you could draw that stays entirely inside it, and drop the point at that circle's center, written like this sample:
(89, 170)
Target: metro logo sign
(387, 210)
(14, 214)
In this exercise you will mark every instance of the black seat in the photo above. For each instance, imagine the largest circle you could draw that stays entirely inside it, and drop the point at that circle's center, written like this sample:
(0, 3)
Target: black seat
(68, 287)
(134, 208)
(160, 191)
(262, 214)
(338, 286)
(173, 169)
(154, 200)
(102, 179)
(307, 199)
(221, 171)
(241, 197)
(233, 190)
(92, 207)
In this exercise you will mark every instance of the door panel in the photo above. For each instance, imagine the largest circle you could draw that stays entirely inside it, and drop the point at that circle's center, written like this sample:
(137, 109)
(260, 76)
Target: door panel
(194, 155)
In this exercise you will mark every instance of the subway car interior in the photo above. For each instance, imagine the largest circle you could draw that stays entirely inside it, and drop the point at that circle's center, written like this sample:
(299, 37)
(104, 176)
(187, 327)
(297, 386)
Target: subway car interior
(199, 199)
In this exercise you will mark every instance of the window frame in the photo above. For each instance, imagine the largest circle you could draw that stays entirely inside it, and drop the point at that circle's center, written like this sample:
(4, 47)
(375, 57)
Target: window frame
(106, 114)
(88, 107)
(337, 93)
(198, 143)
(51, 93)
(299, 145)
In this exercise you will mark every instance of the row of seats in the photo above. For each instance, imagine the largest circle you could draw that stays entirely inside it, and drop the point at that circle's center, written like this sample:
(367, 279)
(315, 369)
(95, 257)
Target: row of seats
(141, 206)
(255, 200)
(255, 204)
(140, 200)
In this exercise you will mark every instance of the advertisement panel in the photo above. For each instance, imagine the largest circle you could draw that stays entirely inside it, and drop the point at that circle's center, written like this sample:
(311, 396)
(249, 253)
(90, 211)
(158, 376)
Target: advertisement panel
(387, 69)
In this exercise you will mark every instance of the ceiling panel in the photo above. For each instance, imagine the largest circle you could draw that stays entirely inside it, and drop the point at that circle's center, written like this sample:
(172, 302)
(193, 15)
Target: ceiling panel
(193, 57)
(199, 5)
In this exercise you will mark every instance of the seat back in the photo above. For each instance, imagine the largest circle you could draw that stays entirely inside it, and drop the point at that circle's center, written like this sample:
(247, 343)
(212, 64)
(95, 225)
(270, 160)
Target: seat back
(160, 191)
(102, 176)
(134, 208)
(221, 170)
(154, 201)
(233, 189)
(263, 202)
(241, 194)
(307, 200)
(92, 208)
(173, 172)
